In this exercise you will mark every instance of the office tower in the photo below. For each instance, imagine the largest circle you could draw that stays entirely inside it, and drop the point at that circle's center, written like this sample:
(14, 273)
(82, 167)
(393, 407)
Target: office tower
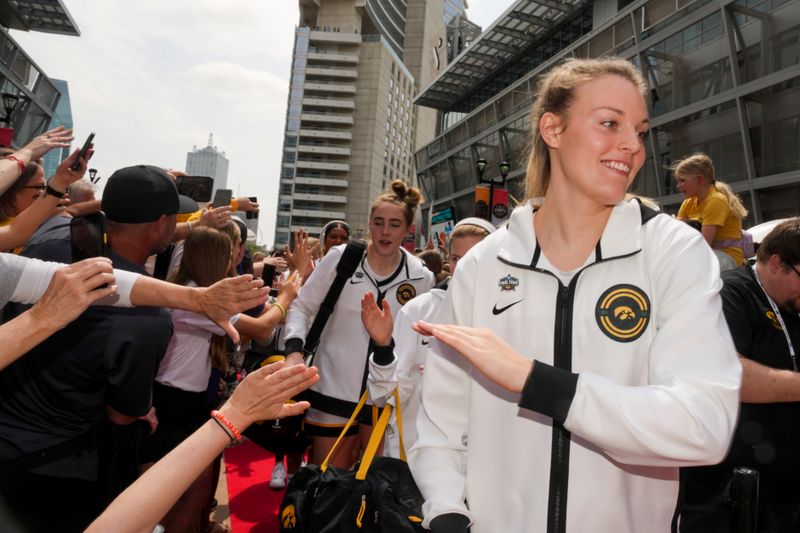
(208, 161)
(62, 117)
(350, 125)
(723, 80)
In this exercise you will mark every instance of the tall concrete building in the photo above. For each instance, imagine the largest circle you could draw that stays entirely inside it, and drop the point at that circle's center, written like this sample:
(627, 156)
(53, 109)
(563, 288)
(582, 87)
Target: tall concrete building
(350, 125)
(724, 79)
(208, 161)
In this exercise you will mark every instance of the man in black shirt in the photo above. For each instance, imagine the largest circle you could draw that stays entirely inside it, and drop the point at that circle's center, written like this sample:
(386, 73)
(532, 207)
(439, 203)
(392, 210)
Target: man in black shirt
(761, 304)
(102, 365)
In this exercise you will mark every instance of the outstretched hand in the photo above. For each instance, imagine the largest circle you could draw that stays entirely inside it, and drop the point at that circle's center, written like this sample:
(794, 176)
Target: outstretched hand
(485, 351)
(265, 393)
(300, 258)
(229, 296)
(73, 288)
(378, 322)
(59, 137)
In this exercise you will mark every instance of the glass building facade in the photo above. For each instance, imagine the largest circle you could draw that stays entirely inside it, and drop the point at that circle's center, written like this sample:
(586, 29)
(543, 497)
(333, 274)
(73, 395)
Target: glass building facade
(724, 79)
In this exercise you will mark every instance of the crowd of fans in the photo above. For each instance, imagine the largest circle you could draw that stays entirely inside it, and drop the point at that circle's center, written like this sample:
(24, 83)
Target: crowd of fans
(111, 365)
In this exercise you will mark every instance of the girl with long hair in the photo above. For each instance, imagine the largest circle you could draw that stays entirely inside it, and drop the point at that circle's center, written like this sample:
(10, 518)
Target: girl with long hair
(712, 203)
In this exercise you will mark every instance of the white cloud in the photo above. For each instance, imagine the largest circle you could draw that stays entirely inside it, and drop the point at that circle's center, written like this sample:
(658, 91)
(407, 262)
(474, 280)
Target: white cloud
(154, 77)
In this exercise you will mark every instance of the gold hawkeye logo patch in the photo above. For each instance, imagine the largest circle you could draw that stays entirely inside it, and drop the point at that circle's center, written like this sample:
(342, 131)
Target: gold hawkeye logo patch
(405, 293)
(288, 518)
(623, 312)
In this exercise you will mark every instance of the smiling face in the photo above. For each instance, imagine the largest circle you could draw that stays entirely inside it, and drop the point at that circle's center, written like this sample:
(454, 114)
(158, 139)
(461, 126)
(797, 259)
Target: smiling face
(335, 237)
(387, 228)
(597, 148)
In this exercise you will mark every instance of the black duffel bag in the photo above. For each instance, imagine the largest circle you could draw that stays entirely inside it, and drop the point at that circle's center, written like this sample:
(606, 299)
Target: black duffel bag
(380, 497)
(281, 437)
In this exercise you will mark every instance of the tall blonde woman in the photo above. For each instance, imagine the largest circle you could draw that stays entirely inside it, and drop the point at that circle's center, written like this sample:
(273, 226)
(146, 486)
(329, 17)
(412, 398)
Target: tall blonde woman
(712, 203)
(578, 363)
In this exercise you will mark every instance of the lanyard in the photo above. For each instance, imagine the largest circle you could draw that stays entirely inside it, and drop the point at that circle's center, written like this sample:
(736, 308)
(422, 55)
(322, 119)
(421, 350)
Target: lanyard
(780, 320)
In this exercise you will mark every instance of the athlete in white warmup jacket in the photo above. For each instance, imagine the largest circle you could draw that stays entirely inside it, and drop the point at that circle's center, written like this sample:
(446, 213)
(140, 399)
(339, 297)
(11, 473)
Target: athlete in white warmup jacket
(386, 270)
(581, 355)
(398, 359)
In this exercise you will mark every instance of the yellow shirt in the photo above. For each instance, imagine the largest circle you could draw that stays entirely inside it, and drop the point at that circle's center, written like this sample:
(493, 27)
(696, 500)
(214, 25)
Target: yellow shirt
(715, 211)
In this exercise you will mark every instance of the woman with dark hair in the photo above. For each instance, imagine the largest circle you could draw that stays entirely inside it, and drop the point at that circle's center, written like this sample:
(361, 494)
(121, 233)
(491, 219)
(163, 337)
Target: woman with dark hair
(29, 200)
(334, 233)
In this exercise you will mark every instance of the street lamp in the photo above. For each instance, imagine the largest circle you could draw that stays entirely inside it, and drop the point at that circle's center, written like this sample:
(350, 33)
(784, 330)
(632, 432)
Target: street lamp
(505, 167)
(9, 104)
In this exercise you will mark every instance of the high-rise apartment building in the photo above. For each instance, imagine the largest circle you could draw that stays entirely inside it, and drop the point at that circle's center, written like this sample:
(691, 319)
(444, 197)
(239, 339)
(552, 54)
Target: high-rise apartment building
(208, 161)
(350, 124)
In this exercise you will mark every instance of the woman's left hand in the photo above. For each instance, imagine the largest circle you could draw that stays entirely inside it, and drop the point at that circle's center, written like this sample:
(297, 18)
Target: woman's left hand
(485, 351)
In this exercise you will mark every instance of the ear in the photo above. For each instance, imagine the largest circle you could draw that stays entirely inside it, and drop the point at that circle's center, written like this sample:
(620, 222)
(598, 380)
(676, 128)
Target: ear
(775, 264)
(550, 129)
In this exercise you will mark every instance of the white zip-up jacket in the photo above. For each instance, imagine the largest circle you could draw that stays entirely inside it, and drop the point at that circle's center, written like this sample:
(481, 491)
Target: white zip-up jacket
(404, 372)
(635, 376)
(344, 343)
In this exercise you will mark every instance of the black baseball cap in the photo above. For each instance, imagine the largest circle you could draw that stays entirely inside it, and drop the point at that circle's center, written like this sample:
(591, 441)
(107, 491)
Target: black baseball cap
(142, 193)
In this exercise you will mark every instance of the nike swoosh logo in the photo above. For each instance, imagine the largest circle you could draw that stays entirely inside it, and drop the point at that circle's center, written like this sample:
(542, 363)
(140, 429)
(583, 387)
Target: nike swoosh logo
(356, 282)
(425, 343)
(497, 311)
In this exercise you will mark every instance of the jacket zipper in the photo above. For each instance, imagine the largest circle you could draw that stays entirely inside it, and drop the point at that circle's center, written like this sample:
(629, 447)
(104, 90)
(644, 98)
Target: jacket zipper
(559, 458)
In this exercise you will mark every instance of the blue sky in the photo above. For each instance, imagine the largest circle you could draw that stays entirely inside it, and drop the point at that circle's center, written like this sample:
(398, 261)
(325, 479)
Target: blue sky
(153, 78)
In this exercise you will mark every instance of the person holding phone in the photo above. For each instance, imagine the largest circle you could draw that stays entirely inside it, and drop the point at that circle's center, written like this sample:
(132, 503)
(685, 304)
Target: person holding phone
(581, 355)
(14, 163)
(30, 201)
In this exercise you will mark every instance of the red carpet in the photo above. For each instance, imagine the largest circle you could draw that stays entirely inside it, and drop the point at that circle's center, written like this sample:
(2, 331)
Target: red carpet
(253, 505)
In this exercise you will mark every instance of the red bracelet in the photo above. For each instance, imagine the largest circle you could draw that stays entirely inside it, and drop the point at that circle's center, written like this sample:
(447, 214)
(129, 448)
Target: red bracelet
(219, 417)
(20, 164)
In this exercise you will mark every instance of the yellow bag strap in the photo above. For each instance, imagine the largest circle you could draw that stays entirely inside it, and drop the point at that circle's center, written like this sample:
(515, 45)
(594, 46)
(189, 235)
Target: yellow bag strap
(361, 403)
(399, 417)
(374, 441)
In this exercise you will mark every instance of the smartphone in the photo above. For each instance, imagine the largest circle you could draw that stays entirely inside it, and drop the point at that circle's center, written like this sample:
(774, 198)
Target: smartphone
(198, 188)
(222, 198)
(252, 214)
(268, 275)
(88, 236)
(88, 144)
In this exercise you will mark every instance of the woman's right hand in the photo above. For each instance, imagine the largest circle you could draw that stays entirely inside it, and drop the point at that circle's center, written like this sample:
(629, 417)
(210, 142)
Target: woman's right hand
(59, 137)
(378, 322)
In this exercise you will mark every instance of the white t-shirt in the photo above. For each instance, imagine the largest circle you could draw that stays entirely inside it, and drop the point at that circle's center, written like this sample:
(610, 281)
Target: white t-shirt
(186, 364)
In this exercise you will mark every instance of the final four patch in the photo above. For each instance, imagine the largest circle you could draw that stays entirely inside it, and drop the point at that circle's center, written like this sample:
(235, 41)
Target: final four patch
(623, 312)
(405, 292)
(508, 283)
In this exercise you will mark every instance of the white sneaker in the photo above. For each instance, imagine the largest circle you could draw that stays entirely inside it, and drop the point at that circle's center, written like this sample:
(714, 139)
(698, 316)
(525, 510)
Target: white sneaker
(278, 480)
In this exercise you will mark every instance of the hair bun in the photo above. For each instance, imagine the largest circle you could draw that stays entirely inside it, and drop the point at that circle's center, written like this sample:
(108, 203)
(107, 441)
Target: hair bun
(410, 196)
